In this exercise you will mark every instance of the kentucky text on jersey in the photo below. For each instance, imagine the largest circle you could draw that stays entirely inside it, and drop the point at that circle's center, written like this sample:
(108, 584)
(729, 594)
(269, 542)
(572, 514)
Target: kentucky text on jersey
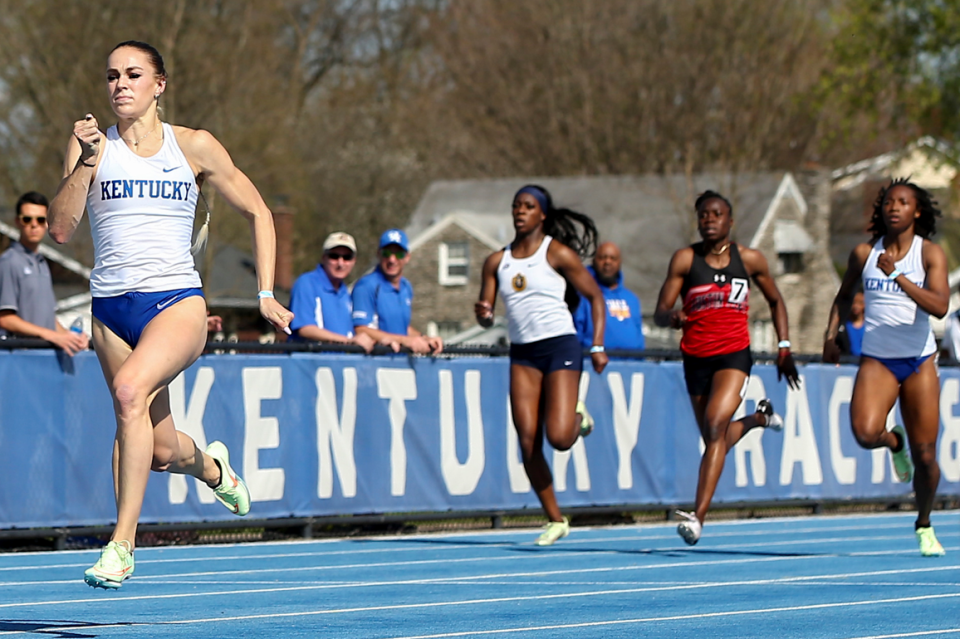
(884, 284)
(155, 189)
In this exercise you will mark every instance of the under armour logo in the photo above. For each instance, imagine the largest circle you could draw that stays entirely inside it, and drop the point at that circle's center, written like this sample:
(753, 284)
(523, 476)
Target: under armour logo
(394, 237)
(719, 278)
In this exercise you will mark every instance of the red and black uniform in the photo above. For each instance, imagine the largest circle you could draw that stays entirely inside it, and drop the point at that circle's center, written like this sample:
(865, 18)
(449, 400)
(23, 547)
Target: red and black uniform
(716, 334)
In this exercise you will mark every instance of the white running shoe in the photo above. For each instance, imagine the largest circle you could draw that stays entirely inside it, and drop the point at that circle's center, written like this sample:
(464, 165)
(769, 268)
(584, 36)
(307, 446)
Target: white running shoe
(774, 421)
(689, 528)
(553, 531)
(231, 492)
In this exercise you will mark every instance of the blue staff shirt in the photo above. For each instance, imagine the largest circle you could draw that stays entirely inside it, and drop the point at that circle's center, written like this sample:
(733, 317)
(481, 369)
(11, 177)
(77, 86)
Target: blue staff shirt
(377, 304)
(315, 302)
(624, 328)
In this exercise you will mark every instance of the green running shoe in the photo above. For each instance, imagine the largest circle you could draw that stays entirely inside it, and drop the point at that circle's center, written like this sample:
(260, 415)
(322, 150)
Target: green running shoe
(929, 546)
(901, 461)
(586, 423)
(231, 492)
(113, 568)
(553, 531)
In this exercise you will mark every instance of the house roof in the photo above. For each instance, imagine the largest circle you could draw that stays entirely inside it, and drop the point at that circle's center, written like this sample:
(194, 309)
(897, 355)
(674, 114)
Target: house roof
(648, 216)
(931, 162)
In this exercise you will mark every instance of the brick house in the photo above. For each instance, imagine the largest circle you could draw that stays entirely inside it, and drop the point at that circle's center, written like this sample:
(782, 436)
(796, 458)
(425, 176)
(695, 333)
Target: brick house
(458, 223)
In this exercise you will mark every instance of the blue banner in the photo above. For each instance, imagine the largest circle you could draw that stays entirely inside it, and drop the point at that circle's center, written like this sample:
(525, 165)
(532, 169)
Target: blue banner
(324, 434)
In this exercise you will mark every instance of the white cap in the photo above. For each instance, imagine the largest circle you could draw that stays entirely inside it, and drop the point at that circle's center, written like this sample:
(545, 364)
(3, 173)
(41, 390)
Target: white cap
(340, 239)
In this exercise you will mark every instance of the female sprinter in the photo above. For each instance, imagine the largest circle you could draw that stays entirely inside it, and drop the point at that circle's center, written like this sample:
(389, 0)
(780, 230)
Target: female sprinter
(904, 278)
(139, 183)
(545, 356)
(713, 276)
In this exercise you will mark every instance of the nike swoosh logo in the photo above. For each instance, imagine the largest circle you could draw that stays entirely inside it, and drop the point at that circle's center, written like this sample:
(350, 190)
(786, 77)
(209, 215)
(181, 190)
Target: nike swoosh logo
(566, 363)
(160, 307)
(172, 168)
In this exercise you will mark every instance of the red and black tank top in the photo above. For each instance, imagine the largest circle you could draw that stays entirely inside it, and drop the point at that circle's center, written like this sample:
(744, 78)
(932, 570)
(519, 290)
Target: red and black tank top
(715, 302)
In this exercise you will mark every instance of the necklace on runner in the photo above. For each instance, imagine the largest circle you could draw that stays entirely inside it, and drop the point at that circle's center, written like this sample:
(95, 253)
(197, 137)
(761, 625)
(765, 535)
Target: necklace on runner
(722, 249)
(136, 143)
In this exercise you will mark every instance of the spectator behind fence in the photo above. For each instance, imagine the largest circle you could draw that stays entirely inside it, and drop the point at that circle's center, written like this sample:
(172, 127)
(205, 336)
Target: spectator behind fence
(27, 303)
(321, 304)
(624, 329)
(850, 334)
(383, 300)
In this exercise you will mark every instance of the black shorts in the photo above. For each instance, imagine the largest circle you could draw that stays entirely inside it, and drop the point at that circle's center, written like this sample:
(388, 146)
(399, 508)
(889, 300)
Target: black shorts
(698, 371)
(547, 355)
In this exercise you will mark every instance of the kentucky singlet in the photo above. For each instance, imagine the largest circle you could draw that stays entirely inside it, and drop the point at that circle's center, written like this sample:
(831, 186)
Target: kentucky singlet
(716, 302)
(895, 327)
(141, 217)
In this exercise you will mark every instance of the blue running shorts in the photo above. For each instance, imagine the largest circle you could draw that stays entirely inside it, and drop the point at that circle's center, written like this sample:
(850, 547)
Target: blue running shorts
(128, 314)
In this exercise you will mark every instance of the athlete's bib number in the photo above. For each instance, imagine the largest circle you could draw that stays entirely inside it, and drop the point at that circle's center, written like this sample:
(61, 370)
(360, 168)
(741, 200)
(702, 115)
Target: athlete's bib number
(738, 290)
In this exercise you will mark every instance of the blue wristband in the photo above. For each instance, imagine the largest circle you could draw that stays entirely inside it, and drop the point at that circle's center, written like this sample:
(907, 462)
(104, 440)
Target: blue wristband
(263, 294)
(897, 273)
(596, 349)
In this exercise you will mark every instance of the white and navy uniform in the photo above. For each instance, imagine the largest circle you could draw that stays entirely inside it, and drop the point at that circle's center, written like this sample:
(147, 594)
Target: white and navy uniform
(896, 331)
(542, 334)
(141, 216)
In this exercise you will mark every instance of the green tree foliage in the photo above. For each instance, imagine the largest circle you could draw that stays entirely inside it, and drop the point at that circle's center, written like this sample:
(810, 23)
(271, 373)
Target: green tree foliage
(899, 62)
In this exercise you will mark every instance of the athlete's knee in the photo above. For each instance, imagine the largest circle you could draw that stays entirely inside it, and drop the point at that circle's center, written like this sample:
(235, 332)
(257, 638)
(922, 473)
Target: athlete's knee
(867, 434)
(925, 456)
(130, 397)
(561, 443)
(528, 447)
(715, 429)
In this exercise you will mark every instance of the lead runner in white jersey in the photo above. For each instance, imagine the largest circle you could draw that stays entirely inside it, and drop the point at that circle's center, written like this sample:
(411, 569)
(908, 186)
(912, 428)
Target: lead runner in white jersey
(139, 183)
(546, 358)
(904, 277)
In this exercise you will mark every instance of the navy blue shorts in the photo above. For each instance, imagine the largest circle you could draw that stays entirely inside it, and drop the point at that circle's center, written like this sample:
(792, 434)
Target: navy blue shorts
(698, 371)
(547, 355)
(901, 367)
(128, 314)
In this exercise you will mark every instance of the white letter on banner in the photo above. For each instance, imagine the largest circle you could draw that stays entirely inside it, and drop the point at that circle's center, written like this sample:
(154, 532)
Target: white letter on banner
(752, 442)
(398, 385)
(844, 468)
(799, 441)
(336, 434)
(190, 421)
(626, 423)
(261, 432)
(950, 440)
(519, 483)
(461, 479)
(581, 470)
(881, 457)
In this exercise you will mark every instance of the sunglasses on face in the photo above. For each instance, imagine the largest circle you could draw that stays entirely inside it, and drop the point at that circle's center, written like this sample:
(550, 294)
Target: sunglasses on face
(346, 257)
(28, 219)
(397, 253)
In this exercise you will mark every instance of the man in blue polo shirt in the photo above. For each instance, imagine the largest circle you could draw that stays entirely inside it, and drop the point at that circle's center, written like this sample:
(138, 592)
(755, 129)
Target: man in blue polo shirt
(624, 325)
(320, 301)
(383, 299)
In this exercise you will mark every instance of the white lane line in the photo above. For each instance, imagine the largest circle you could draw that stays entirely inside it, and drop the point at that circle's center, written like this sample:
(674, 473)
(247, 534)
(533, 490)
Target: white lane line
(441, 604)
(419, 547)
(552, 554)
(924, 633)
(410, 582)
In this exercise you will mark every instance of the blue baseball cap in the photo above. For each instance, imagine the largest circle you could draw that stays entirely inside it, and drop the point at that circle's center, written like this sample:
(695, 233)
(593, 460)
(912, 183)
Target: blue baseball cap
(395, 236)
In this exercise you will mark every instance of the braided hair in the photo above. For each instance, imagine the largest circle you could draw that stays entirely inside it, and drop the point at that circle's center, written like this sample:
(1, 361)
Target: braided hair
(925, 226)
(562, 225)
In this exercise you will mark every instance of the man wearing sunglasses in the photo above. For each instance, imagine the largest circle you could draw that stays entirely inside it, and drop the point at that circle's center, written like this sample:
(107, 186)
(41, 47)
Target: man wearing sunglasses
(27, 303)
(383, 300)
(320, 301)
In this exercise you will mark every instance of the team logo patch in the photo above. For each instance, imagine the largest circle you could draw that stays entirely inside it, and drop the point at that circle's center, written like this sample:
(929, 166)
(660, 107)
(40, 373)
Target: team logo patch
(519, 282)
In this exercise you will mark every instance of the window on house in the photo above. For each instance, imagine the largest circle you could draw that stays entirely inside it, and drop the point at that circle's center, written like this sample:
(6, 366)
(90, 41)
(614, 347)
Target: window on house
(454, 261)
(791, 262)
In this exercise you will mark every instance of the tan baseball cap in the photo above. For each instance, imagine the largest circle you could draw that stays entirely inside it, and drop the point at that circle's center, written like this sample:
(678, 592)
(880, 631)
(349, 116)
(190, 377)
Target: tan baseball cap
(340, 239)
